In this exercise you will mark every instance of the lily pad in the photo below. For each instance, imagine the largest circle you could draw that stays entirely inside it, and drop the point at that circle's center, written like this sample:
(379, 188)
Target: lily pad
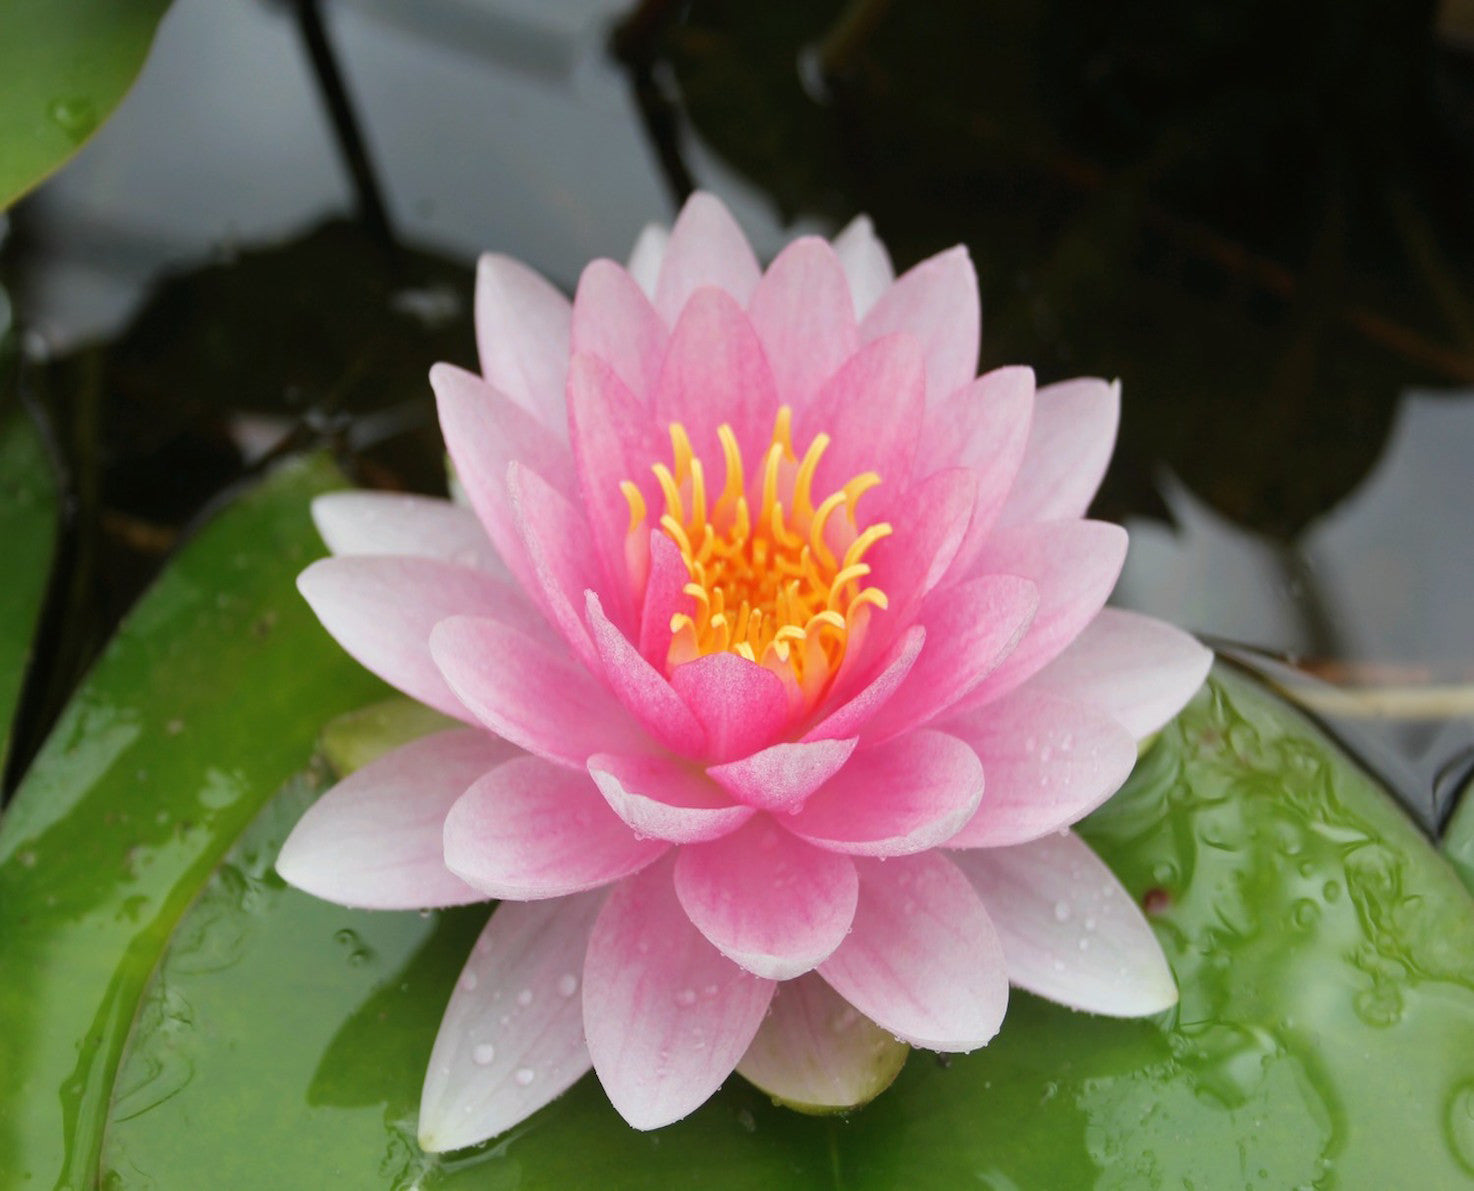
(66, 65)
(208, 699)
(28, 529)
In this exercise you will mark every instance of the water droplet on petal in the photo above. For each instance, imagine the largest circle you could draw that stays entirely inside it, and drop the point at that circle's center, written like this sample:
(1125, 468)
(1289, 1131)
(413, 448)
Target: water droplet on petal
(1061, 911)
(468, 981)
(483, 1053)
(687, 996)
(567, 984)
(524, 998)
(524, 1076)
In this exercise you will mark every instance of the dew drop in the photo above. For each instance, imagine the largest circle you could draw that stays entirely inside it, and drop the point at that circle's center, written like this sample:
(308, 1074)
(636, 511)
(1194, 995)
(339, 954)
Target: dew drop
(1061, 911)
(483, 1053)
(468, 981)
(687, 996)
(524, 998)
(1089, 922)
(524, 1076)
(567, 984)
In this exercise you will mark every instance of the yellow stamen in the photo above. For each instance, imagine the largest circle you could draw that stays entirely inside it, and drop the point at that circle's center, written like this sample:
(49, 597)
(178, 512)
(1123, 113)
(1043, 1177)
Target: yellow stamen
(767, 587)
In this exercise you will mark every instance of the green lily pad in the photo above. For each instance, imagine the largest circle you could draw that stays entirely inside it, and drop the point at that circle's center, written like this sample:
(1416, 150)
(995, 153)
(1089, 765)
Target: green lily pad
(28, 529)
(66, 65)
(208, 699)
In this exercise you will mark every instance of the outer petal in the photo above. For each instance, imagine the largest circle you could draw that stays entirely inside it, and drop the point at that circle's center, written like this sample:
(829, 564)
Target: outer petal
(1070, 932)
(1069, 447)
(531, 692)
(358, 522)
(706, 247)
(816, 1052)
(715, 372)
(531, 830)
(614, 322)
(484, 432)
(666, 800)
(522, 326)
(643, 689)
(741, 705)
(782, 776)
(1074, 564)
(1049, 761)
(647, 255)
(871, 408)
(766, 900)
(374, 840)
(802, 313)
(971, 628)
(937, 301)
(907, 795)
(667, 1016)
(382, 611)
(923, 960)
(511, 1039)
(867, 264)
(1139, 670)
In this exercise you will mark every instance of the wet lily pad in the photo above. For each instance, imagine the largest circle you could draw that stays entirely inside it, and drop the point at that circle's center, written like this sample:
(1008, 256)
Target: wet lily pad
(28, 528)
(66, 65)
(208, 699)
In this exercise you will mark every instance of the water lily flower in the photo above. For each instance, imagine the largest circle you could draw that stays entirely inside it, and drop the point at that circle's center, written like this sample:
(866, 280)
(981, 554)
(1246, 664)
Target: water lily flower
(779, 639)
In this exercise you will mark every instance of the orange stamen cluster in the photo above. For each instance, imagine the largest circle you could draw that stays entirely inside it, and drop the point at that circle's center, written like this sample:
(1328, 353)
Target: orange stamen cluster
(781, 587)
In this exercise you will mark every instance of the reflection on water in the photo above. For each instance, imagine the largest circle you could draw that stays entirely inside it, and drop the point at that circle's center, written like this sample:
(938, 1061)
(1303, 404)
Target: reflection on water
(1267, 255)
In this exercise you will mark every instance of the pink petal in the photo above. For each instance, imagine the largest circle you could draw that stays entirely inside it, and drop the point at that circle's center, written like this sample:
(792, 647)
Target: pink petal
(766, 900)
(937, 301)
(1139, 670)
(522, 328)
(1074, 564)
(930, 523)
(530, 829)
(484, 432)
(1070, 932)
(782, 776)
(374, 840)
(871, 409)
(665, 596)
(866, 263)
(983, 426)
(556, 538)
(665, 800)
(814, 1051)
(1049, 762)
(647, 256)
(613, 440)
(614, 322)
(706, 248)
(741, 705)
(382, 611)
(922, 961)
(907, 795)
(1070, 444)
(715, 372)
(970, 629)
(511, 1039)
(667, 1016)
(643, 689)
(853, 714)
(531, 692)
(802, 313)
(358, 522)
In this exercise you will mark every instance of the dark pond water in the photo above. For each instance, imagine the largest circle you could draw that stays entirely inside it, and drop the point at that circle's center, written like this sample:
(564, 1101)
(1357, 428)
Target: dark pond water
(1256, 216)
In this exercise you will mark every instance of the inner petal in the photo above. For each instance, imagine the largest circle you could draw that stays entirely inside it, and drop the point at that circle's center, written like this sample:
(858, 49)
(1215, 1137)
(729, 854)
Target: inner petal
(774, 575)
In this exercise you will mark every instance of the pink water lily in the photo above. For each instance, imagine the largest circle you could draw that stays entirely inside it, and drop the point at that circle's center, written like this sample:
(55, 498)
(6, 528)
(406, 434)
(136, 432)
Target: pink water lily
(780, 643)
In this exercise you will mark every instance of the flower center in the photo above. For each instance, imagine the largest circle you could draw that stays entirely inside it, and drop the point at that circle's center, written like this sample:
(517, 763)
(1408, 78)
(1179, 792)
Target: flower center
(781, 588)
